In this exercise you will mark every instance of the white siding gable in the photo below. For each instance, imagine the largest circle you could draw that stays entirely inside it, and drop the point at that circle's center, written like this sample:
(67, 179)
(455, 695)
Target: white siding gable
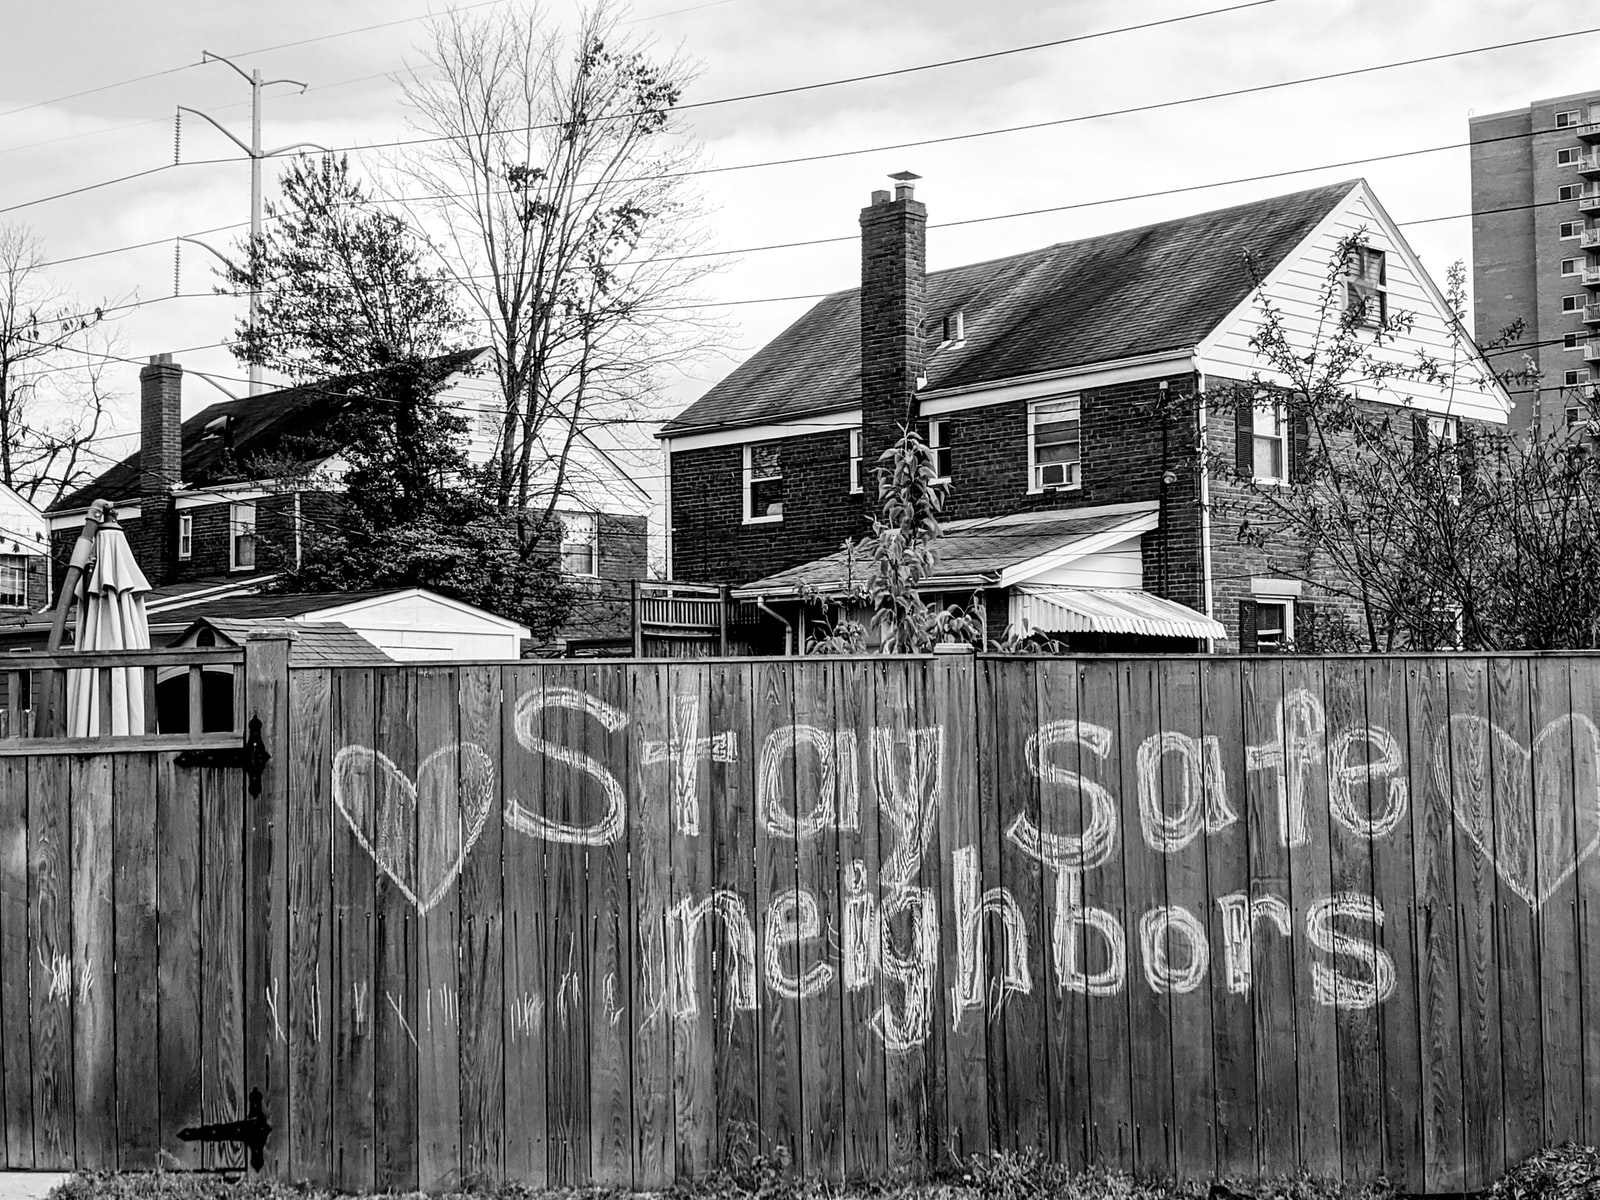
(1296, 287)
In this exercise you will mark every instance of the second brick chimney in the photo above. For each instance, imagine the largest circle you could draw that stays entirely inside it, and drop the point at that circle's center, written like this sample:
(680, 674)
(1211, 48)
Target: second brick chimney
(160, 464)
(893, 299)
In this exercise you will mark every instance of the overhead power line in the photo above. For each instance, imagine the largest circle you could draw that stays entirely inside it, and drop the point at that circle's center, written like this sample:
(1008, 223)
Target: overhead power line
(972, 135)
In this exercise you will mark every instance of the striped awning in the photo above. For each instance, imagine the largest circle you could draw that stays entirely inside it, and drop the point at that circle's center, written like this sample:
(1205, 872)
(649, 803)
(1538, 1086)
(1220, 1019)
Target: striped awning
(1040, 609)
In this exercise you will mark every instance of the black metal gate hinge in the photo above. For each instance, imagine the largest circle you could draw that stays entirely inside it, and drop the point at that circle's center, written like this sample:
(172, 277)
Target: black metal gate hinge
(251, 1132)
(253, 756)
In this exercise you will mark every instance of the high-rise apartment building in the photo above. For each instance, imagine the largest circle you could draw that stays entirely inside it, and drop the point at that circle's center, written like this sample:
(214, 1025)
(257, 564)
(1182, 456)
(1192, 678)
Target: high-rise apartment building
(1536, 252)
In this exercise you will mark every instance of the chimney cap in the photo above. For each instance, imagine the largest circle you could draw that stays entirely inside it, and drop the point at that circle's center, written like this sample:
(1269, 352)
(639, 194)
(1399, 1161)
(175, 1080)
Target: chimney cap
(157, 360)
(905, 176)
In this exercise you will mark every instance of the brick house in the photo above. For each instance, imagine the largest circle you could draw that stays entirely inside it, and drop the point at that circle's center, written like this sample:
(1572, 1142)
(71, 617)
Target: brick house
(207, 518)
(1065, 391)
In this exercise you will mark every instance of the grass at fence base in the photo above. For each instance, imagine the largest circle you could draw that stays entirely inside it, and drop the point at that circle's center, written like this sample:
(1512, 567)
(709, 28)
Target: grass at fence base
(1562, 1173)
(1000, 1176)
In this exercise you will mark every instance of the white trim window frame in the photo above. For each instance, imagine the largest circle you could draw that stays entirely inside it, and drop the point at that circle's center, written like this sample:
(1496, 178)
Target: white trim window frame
(1569, 117)
(241, 537)
(939, 446)
(763, 483)
(1568, 191)
(1571, 341)
(1366, 285)
(1576, 377)
(1282, 634)
(1269, 441)
(1055, 445)
(1571, 230)
(855, 462)
(1570, 304)
(1570, 267)
(1567, 156)
(13, 581)
(185, 536)
(580, 545)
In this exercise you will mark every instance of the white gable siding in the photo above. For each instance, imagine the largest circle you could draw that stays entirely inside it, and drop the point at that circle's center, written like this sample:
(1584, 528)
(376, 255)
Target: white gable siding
(22, 523)
(1297, 287)
(1119, 567)
(411, 627)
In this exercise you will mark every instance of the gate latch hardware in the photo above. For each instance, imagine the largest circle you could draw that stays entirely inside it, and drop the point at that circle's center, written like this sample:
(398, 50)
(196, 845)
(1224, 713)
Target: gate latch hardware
(252, 756)
(252, 1131)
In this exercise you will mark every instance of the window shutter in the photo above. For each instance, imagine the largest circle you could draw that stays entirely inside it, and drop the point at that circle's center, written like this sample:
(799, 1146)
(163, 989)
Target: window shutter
(1305, 627)
(1300, 435)
(1419, 439)
(1244, 446)
(1247, 627)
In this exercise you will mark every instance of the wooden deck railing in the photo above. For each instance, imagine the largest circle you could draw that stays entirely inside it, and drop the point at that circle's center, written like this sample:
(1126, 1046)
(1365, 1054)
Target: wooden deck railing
(192, 699)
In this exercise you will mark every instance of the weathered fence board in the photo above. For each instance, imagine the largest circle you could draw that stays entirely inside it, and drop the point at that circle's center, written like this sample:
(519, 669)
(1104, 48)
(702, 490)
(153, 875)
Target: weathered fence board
(620, 923)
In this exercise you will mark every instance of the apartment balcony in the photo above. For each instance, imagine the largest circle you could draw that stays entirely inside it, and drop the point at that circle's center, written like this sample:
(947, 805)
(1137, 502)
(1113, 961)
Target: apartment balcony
(1591, 351)
(1588, 166)
(1589, 239)
(1591, 314)
(1591, 277)
(1589, 202)
(1589, 132)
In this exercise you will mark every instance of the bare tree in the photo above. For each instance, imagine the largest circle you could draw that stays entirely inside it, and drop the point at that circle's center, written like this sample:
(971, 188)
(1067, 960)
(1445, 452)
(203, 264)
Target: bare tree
(53, 358)
(1431, 535)
(556, 185)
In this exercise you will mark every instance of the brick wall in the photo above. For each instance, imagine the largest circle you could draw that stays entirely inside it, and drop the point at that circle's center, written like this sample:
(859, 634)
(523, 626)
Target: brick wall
(1132, 439)
(210, 541)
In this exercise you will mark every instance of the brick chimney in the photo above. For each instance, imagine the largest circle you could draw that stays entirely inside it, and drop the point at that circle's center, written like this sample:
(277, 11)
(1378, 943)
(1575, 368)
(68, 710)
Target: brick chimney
(160, 464)
(893, 297)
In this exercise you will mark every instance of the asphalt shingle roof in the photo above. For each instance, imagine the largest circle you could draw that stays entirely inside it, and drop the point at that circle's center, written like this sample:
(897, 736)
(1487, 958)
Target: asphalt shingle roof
(262, 425)
(268, 605)
(1099, 299)
(324, 644)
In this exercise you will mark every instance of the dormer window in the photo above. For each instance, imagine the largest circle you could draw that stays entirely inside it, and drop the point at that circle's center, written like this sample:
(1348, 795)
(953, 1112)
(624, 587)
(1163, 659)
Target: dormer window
(955, 327)
(242, 537)
(1366, 287)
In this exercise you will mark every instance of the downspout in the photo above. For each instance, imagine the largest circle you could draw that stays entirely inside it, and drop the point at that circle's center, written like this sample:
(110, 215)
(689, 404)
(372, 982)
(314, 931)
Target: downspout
(788, 627)
(297, 531)
(1205, 498)
(666, 516)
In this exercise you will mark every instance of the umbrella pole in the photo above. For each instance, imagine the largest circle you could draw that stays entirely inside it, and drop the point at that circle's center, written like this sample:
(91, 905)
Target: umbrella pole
(82, 551)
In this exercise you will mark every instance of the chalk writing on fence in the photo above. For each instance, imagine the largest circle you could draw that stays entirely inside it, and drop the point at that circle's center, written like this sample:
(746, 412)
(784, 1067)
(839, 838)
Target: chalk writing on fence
(887, 930)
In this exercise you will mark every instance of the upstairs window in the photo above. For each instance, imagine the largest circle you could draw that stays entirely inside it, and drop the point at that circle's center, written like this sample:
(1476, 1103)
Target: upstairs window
(1575, 377)
(242, 537)
(1569, 266)
(1055, 444)
(763, 482)
(1268, 441)
(1569, 191)
(185, 536)
(1570, 230)
(579, 544)
(1572, 303)
(1572, 341)
(855, 461)
(1366, 288)
(938, 440)
(1566, 156)
(1566, 120)
(13, 581)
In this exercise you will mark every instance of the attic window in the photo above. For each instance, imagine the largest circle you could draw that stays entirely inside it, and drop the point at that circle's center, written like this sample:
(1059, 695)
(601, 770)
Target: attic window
(955, 327)
(1367, 286)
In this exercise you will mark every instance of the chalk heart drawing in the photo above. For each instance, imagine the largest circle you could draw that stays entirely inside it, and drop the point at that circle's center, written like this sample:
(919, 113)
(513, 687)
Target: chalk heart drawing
(1534, 851)
(420, 832)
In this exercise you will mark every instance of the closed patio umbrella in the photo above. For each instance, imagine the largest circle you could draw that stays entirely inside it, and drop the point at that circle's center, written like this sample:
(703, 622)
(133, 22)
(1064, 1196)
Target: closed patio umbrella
(111, 616)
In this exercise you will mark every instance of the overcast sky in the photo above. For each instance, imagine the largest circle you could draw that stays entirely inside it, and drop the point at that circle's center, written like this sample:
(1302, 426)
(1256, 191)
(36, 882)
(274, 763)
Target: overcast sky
(50, 145)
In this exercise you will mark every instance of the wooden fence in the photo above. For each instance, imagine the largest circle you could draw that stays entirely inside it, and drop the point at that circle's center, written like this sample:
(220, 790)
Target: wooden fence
(622, 922)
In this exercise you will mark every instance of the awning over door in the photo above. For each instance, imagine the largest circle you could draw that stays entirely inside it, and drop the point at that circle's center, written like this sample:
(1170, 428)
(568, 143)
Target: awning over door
(1039, 609)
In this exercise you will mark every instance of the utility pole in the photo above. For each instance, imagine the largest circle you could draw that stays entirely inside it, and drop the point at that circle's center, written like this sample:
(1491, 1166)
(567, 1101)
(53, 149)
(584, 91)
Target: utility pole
(256, 153)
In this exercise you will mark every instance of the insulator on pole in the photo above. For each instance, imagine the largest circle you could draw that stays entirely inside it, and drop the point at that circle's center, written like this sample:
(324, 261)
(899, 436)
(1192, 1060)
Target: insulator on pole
(177, 137)
(177, 265)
